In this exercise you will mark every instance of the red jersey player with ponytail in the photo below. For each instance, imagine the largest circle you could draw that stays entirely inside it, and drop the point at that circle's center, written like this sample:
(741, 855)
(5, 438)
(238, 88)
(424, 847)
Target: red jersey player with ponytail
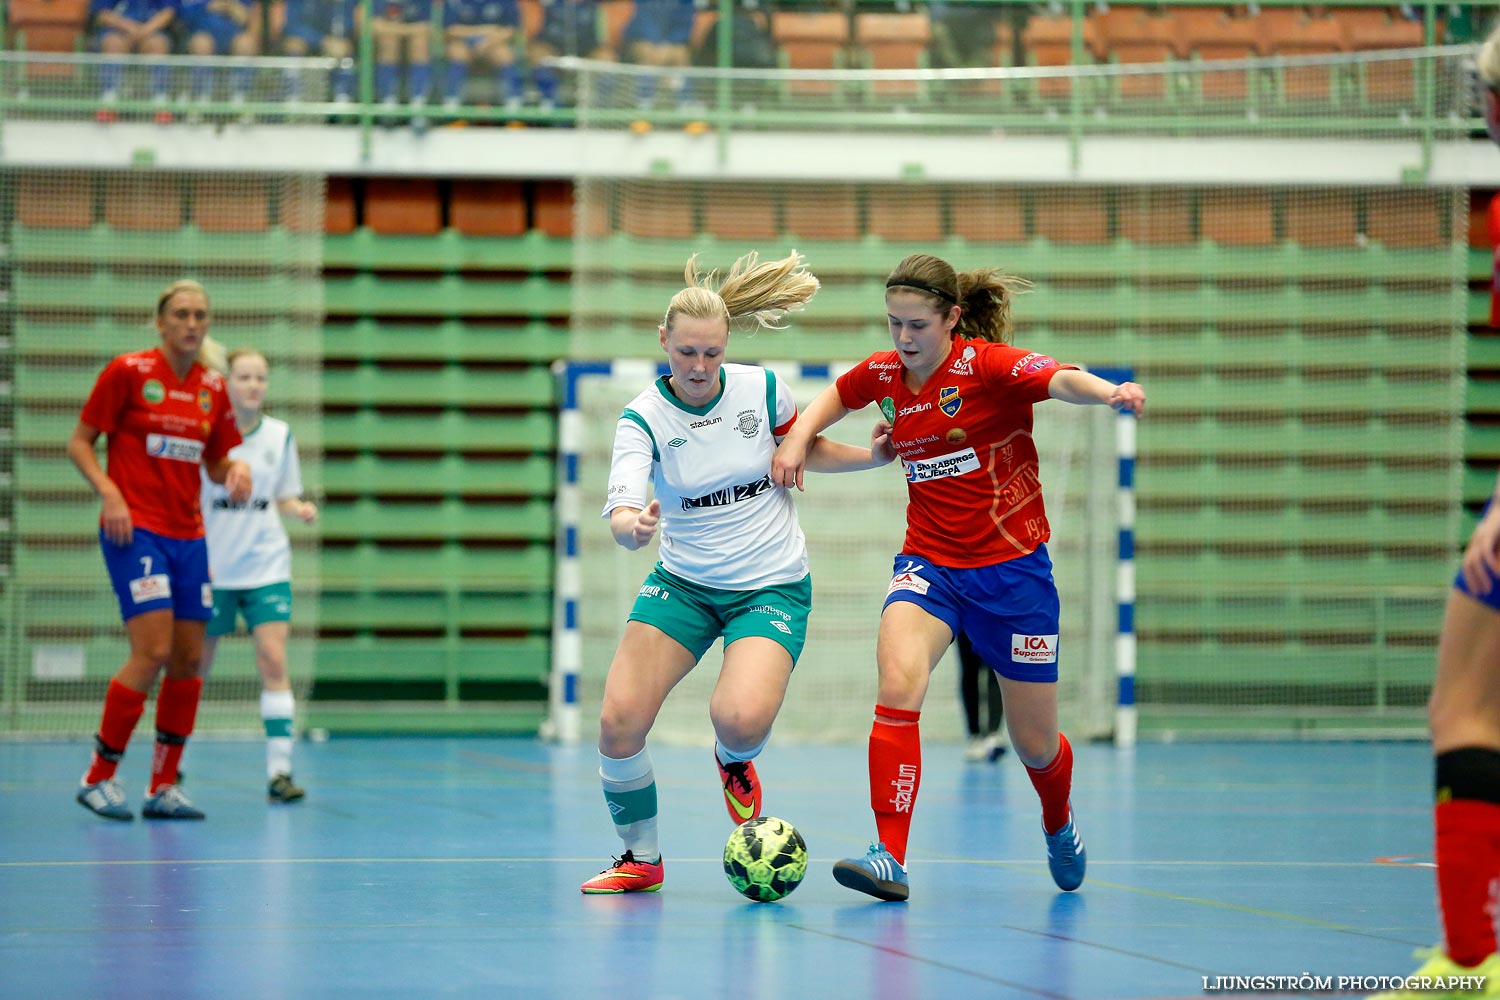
(975, 559)
(165, 416)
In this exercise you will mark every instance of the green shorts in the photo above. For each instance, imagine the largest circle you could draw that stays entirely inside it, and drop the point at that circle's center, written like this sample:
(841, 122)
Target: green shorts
(271, 603)
(696, 615)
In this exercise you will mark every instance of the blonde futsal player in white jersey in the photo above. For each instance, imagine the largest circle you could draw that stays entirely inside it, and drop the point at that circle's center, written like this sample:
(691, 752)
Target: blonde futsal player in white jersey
(250, 557)
(733, 560)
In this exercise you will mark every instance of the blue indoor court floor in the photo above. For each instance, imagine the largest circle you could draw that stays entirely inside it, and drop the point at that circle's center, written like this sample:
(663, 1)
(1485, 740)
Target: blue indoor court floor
(450, 868)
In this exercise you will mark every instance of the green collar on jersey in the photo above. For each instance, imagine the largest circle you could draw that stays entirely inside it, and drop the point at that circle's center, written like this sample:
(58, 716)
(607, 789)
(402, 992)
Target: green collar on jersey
(697, 411)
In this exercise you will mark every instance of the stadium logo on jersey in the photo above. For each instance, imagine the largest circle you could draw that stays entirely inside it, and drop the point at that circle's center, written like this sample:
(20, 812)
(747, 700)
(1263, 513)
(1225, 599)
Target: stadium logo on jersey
(956, 463)
(749, 423)
(676, 442)
(914, 408)
(706, 423)
(1033, 648)
(734, 494)
(205, 400)
(949, 400)
(153, 391)
(965, 363)
(175, 448)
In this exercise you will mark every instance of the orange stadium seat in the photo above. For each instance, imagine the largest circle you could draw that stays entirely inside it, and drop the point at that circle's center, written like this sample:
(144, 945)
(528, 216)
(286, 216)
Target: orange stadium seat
(1321, 218)
(47, 26)
(1405, 219)
(894, 41)
(1237, 217)
(905, 212)
(1393, 81)
(740, 212)
(1212, 33)
(1072, 216)
(1049, 40)
(143, 202)
(552, 208)
(1137, 36)
(55, 200)
(988, 215)
(531, 18)
(1155, 216)
(487, 208)
(652, 212)
(821, 212)
(811, 41)
(401, 206)
(231, 204)
(1294, 31)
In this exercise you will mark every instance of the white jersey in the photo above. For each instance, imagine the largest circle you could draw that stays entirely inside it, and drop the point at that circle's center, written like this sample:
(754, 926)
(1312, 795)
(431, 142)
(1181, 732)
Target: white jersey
(247, 543)
(724, 523)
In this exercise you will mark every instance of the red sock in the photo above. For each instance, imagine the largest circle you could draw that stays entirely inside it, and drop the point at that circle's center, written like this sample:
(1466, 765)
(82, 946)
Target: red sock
(176, 709)
(1054, 783)
(895, 773)
(122, 710)
(1468, 868)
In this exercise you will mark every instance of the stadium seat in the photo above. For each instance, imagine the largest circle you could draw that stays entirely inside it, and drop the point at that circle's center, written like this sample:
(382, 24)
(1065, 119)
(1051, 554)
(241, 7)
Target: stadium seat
(1321, 218)
(400, 206)
(339, 212)
(1405, 219)
(811, 41)
(1155, 216)
(657, 212)
(1388, 82)
(988, 215)
(487, 208)
(1210, 34)
(1072, 216)
(552, 207)
(740, 212)
(1237, 217)
(231, 204)
(47, 26)
(1138, 36)
(1295, 31)
(904, 213)
(151, 202)
(821, 212)
(55, 200)
(1049, 40)
(894, 41)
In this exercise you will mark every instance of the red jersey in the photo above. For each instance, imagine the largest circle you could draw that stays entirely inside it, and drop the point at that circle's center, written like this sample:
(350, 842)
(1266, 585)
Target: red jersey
(965, 441)
(160, 431)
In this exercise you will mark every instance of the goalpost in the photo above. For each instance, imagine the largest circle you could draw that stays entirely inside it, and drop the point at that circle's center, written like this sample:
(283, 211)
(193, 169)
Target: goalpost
(854, 525)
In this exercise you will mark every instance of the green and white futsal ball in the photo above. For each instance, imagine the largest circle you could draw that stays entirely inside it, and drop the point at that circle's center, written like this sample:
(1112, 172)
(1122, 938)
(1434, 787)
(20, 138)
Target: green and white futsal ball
(765, 859)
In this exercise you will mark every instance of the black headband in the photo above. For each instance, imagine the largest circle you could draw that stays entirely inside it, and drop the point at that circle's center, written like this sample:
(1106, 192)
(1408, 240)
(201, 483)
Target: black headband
(921, 285)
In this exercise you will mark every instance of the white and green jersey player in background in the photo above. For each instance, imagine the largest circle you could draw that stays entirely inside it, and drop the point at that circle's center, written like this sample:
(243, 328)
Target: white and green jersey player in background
(733, 558)
(250, 558)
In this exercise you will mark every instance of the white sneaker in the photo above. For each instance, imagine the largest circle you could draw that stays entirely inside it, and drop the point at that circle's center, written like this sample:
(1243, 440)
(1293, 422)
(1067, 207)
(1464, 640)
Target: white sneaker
(977, 749)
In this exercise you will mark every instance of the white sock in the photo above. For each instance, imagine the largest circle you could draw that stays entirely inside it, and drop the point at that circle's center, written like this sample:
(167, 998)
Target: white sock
(630, 792)
(727, 756)
(276, 708)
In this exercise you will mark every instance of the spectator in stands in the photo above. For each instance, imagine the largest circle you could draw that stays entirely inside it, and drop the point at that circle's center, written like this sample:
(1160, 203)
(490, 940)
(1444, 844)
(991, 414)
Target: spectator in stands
(482, 31)
(403, 29)
(250, 557)
(131, 26)
(569, 28)
(1464, 714)
(658, 35)
(963, 34)
(166, 417)
(325, 28)
(217, 28)
(751, 44)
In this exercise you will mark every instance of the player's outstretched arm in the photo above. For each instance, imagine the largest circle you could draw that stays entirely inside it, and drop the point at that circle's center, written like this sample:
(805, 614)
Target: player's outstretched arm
(1084, 389)
(633, 528)
(826, 455)
(791, 456)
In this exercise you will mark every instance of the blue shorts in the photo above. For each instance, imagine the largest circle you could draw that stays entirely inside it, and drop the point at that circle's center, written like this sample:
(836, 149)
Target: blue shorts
(570, 36)
(156, 573)
(660, 24)
(222, 29)
(1009, 610)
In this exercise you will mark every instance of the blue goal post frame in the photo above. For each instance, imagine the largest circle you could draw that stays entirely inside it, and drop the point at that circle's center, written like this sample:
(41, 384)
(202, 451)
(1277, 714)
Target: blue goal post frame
(564, 724)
